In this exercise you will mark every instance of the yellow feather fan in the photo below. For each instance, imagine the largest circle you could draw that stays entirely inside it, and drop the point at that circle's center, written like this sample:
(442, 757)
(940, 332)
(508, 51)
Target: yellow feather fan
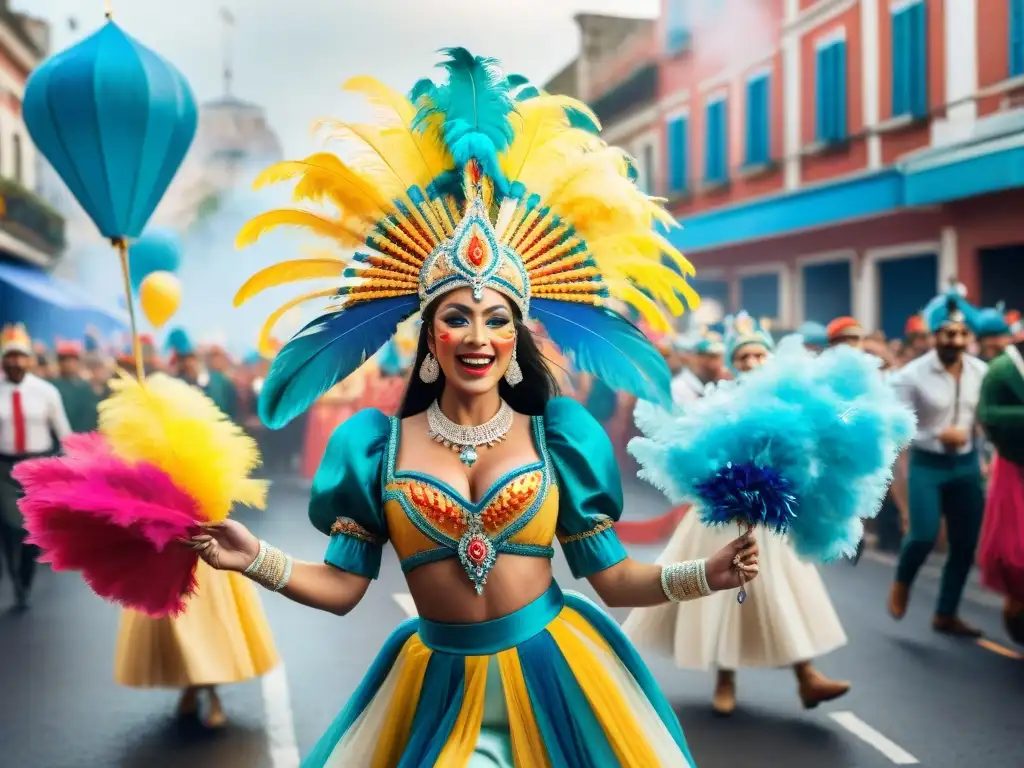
(174, 426)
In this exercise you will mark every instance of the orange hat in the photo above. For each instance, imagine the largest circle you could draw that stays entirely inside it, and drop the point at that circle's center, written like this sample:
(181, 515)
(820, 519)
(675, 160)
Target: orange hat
(915, 326)
(69, 349)
(843, 328)
(14, 338)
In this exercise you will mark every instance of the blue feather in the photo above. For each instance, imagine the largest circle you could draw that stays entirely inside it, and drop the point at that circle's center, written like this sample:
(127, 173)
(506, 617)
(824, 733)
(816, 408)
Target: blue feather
(529, 92)
(600, 342)
(803, 445)
(514, 81)
(423, 87)
(325, 352)
(476, 105)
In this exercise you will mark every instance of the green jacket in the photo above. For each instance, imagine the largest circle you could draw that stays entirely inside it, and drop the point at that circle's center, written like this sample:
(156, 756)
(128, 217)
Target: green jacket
(80, 403)
(1001, 405)
(219, 388)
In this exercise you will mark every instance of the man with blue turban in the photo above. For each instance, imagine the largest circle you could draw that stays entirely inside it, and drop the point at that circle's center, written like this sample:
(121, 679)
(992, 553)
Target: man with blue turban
(993, 332)
(943, 387)
(703, 366)
(747, 345)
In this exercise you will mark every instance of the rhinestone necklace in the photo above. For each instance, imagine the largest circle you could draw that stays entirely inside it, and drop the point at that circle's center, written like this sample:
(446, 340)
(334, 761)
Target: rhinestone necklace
(466, 440)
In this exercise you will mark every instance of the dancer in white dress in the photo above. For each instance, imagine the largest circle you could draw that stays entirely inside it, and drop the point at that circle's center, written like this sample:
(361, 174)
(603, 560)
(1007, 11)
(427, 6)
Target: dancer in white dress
(787, 619)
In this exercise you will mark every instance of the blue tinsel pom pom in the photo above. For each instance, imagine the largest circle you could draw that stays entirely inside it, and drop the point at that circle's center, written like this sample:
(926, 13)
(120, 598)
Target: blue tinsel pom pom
(748, 494)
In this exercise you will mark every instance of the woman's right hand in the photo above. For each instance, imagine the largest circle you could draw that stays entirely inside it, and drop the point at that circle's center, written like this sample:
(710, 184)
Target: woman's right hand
(226, 546)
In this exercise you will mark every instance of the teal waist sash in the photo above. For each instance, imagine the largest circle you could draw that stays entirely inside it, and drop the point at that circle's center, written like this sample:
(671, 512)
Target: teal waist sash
(489, 637)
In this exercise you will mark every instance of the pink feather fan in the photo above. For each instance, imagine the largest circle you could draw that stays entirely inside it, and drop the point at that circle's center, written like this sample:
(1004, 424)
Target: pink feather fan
(115, 521)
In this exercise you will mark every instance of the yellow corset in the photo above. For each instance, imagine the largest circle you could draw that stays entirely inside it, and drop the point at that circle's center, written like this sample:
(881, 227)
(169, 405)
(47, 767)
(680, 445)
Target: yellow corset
(428, 520)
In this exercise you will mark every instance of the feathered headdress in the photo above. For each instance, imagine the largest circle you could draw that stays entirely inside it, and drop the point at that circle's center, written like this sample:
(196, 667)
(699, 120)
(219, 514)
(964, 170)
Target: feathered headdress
(480, 182)
(742, 330)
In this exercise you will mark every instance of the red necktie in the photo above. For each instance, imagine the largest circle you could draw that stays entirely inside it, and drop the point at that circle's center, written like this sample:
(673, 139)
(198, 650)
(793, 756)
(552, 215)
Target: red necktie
(18, 416)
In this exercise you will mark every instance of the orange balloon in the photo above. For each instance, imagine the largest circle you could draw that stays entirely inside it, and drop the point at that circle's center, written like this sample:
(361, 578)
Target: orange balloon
(160, 296)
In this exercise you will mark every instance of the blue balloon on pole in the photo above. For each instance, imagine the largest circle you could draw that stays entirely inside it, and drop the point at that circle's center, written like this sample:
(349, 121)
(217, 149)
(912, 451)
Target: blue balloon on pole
(158, 250)
(115, 120)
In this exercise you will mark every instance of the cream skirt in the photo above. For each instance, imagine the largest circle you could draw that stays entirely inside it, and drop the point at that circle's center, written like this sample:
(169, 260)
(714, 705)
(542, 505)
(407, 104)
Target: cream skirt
(787, 617)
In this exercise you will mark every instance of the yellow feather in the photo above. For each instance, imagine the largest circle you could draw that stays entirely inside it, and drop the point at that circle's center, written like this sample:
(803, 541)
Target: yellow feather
(345, 233)
(543, 133)
(395, 111)
(648, 309)
(266, 345)
(176, 427)
(324, 175)
(645, 242)
(288, 272)
(656, 278)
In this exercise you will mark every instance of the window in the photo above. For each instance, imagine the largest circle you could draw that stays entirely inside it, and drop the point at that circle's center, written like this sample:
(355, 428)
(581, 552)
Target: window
(758, 125)
(1016, 37)
(647, 172)
(677, 25)
(678, 151)
(716, 152)
(910, 60)
(831, 92)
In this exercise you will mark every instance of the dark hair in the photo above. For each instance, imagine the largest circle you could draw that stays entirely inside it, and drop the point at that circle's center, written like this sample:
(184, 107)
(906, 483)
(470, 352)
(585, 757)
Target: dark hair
(529, 397)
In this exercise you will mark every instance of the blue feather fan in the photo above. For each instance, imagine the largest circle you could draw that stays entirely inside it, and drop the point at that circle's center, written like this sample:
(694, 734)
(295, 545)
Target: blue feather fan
(803, 446)
(325, 352)
(600, 342)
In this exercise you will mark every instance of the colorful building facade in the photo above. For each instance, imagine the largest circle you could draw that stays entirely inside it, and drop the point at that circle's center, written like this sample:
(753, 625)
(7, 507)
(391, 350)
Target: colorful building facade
(833, 157)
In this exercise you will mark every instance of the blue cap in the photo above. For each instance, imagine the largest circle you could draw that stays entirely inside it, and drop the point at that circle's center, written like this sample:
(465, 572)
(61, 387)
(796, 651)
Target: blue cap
(814, 334)
(179, 343)
(992, 322)
(951, 306)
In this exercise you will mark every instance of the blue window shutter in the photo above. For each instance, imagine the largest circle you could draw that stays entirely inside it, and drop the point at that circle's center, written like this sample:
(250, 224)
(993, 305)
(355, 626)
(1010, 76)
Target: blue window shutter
(709, 142)
(839, 120)
(917, 19)
(1016, 37)
(751, 140)
(901, 64)
(677, 154)
(821, 94)
(723, 133)
(765, 118)
(757, 120)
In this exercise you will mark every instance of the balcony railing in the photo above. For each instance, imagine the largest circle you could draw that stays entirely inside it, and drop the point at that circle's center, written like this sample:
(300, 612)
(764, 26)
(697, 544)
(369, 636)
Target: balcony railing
(28, 218)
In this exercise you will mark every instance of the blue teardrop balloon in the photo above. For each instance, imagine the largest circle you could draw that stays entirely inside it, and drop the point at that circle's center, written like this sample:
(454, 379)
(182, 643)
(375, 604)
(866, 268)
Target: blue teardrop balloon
(115, 120)
(158, 250)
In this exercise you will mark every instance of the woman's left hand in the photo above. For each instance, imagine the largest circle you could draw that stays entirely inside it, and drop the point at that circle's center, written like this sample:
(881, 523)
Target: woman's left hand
(733, 565)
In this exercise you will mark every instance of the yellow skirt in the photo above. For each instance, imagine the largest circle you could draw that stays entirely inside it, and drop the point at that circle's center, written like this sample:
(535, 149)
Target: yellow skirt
(222, 637)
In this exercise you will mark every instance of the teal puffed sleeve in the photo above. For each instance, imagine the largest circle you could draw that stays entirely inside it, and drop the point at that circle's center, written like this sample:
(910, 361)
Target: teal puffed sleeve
(345, 502)
(589, 487)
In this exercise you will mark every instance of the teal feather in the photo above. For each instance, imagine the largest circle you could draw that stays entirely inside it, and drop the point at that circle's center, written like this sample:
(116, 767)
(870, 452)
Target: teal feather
(476, 105)
(578, 119)
(529, 92)
(423, 87)
(600, 342)
(514, 81)
(325, 352)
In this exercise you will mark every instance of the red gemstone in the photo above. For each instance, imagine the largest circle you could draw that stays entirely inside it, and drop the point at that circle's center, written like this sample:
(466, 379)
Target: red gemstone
(476, 551)
(475, 251)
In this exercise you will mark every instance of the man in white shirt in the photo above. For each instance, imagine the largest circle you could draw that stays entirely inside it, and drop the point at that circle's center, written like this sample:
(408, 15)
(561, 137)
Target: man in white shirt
(943, 387)
(32, 420)
(703, 367)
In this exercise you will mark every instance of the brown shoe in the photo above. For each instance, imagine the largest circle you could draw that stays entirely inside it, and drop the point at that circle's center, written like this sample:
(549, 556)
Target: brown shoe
(724, 700)
(899, 596)
(1013, 618)
(955, 626)
(215, 717)
(188, 704)
(815, 688)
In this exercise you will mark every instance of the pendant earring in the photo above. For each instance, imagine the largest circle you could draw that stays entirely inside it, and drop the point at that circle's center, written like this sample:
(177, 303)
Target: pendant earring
(429, 369)
(514, 374)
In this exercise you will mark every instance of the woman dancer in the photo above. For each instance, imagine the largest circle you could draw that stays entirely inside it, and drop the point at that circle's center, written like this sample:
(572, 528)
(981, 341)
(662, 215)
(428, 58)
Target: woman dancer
(787, 620)
(484, 467)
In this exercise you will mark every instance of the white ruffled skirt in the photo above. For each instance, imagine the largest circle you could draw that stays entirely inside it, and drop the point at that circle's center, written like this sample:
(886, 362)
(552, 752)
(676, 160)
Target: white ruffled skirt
(787, 617)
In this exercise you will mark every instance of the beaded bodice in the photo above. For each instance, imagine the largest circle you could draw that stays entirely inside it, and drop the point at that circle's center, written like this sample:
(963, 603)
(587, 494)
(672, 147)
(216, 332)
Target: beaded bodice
(428, 520)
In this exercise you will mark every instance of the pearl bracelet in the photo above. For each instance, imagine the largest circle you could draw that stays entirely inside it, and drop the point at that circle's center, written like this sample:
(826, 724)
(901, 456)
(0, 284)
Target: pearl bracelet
(685, 581)
(272, 568)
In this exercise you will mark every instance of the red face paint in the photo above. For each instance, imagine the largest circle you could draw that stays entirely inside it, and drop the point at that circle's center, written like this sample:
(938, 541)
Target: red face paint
(444, 336)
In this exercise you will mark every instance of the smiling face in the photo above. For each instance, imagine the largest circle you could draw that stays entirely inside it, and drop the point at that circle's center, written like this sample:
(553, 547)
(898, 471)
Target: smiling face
(473, 341)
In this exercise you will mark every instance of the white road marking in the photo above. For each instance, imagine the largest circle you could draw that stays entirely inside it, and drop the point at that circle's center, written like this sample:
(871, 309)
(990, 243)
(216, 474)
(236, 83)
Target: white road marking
(277, 714)
(406, 604)
(893, 751)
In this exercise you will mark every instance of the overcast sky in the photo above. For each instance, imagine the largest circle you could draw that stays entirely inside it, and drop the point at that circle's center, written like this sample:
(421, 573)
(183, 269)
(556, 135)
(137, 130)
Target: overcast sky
(291, 55)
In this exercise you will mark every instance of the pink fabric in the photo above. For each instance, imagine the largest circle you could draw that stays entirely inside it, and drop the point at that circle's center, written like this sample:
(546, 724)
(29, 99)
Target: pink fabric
(1001, 553)
(115, 522)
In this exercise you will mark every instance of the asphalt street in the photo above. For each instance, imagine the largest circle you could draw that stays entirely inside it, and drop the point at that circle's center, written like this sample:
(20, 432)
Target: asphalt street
(917, 698)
